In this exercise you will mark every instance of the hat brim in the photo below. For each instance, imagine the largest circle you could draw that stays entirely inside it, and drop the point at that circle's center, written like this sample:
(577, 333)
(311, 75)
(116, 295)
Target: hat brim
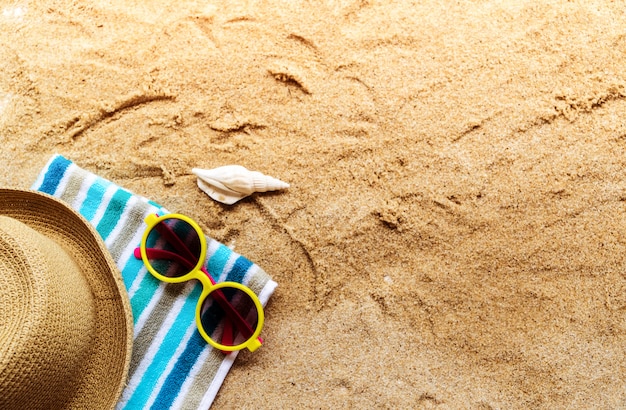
(104, 375)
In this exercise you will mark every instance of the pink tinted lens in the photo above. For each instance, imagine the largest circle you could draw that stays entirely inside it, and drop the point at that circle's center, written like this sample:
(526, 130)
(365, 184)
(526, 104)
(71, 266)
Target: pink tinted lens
(178, 247)
(219, 316)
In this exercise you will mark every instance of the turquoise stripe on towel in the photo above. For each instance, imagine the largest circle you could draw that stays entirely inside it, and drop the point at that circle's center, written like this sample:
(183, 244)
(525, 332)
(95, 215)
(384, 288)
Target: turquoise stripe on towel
(218, 261)
(95, 193)
(140, 300)
(168, 345)
(113, 212)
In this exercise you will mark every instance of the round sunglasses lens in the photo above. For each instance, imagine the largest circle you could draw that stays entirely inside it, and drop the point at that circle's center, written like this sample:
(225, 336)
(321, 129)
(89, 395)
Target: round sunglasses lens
(229, 316)
(173, 247)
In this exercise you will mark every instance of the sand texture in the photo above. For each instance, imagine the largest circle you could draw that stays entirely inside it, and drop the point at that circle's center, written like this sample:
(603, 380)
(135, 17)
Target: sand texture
(454, 234)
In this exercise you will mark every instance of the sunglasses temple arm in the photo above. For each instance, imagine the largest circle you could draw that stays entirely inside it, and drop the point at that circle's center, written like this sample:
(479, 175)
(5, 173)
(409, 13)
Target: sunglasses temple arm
(154, 253)
(227, 334)
(173, 238)
(232, 313)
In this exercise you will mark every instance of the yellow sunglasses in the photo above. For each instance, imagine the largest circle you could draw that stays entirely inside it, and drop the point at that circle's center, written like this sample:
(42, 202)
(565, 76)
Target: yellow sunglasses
(229, 316)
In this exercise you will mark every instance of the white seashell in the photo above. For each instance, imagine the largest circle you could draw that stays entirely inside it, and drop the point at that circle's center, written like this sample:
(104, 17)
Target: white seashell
(230, 183)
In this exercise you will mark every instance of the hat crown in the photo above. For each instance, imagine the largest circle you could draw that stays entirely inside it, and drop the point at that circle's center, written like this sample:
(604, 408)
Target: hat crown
(48, 319)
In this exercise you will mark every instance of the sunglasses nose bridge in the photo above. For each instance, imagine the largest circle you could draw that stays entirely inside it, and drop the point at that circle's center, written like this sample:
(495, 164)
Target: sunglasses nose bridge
(207, 283)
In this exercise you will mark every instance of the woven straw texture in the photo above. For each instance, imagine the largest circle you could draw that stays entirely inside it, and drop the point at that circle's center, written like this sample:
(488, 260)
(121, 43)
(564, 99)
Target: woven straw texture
(66, 334)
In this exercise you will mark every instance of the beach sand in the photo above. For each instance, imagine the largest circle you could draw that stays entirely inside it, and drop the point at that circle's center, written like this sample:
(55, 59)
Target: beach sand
(454, 233)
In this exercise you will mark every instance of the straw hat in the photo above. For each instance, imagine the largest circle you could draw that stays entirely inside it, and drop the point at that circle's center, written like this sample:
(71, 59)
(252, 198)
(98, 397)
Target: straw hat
(65, 319)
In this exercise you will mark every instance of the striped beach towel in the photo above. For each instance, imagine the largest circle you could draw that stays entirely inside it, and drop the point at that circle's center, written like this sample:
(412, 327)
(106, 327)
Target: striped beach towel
(171, 366)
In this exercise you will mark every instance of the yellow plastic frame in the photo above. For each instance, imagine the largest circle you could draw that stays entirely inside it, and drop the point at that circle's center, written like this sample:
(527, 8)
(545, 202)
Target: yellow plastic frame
(252, 343)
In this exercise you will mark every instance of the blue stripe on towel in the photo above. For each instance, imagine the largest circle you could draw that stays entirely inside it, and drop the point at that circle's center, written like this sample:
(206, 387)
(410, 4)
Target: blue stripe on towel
(55, 173)
(167, 348)
(239, 270)
(176, 378)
